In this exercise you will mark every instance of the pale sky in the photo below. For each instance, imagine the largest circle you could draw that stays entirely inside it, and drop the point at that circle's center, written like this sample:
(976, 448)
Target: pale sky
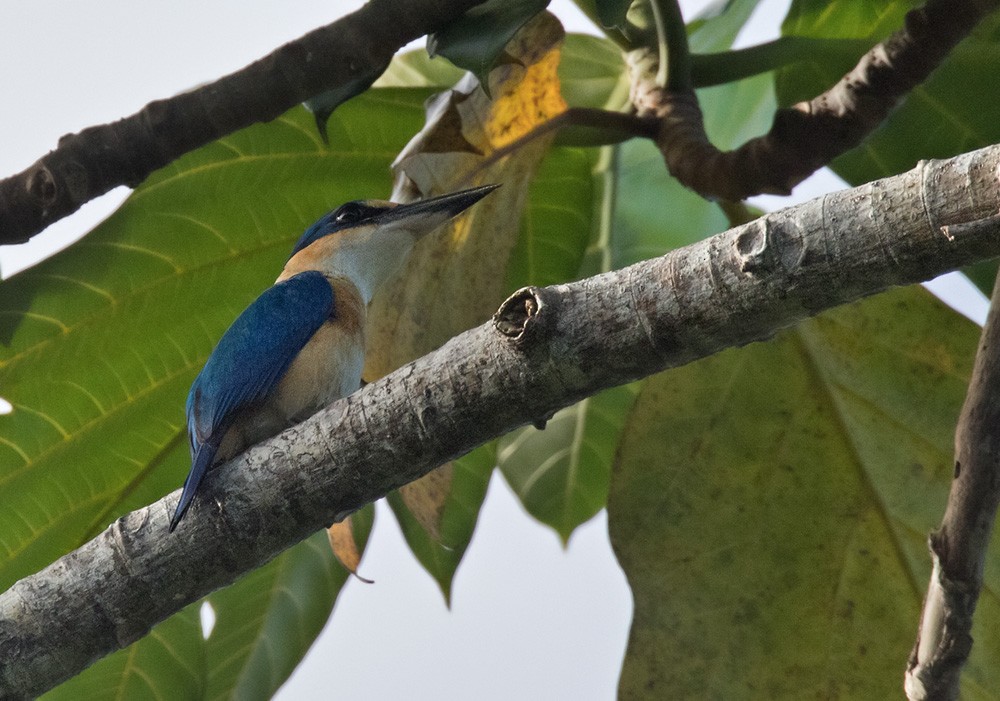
(529, 620)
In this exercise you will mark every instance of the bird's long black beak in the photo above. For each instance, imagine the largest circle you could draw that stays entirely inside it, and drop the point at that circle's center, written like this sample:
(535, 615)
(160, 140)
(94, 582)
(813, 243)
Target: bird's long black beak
(426, 215)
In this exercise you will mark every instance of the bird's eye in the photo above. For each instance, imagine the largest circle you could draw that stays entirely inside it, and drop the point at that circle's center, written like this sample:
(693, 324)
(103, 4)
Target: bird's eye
(348, 214)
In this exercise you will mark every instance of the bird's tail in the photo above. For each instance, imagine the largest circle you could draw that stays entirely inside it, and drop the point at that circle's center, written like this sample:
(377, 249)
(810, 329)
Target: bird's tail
(199, 466)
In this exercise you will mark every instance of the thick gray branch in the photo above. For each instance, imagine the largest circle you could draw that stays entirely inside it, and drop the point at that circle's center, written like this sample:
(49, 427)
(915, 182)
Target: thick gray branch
(352, 51)
(546, 349)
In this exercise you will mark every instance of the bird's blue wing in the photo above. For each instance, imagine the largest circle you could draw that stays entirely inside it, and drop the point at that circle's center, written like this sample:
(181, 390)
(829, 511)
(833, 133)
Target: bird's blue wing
(247, 364)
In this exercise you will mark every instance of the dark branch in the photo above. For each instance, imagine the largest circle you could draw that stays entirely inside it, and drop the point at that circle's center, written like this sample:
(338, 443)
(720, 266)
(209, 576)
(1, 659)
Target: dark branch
(958, 547)
(808, 135)
(350, 51)
(545, 349)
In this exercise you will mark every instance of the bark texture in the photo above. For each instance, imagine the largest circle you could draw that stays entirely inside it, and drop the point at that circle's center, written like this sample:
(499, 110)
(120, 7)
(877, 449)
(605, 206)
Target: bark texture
(351, 52)
(806, 136)
(545, 349)
(958, 547)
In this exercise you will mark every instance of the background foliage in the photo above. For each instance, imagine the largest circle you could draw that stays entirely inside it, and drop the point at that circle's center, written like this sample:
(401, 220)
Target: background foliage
(769, 505)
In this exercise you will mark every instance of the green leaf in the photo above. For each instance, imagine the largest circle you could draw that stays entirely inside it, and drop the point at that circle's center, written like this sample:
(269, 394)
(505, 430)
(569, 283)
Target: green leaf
(665, 217)
(105, 338)
(558, 221)
(983, 275)
(103, 342)
(612, 12)
(846, 19)
(323, 105)
(169, 663)
(728, 128)
(951, 113)
(770, 507)
(476, 40)
(716, 27)
(265, 623)
(592, 73)
(561, 473)
(470, 478)
(416, 69)
(288, 600)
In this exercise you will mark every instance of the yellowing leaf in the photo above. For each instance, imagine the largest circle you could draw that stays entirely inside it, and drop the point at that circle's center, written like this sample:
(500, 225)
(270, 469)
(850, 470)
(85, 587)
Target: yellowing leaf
(426, 498)
(770, 507)
(345, 546)
(455, 278)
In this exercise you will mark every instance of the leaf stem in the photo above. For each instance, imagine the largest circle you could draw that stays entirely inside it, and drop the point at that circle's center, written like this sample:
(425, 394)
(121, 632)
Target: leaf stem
(728, 66)
(675, 57)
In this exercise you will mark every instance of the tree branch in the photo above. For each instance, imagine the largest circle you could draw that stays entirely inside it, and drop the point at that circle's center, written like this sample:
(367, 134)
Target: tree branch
(352, 51)
(545, 349)
(958, 547)
(808, 135)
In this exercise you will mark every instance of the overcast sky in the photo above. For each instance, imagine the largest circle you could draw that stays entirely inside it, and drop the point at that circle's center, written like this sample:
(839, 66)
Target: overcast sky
(529, 620)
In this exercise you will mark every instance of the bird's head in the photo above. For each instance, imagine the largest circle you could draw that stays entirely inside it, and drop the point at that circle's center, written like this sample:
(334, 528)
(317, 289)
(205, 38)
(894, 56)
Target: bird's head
(367, 240)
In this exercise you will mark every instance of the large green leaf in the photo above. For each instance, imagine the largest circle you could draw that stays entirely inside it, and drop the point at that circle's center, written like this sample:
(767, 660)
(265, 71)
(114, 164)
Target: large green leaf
(106, 337)
(716, 27)
(169, 663)
(592, 73)
(103, 340)
(561, 473)
(558, 222)
(264, 624)
(846, 19)
(441, 557)
(770, 507)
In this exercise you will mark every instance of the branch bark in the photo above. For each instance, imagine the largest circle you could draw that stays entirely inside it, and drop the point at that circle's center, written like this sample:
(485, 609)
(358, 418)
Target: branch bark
(958, 547)
(352, 51)
(806, 136)
(545, 349)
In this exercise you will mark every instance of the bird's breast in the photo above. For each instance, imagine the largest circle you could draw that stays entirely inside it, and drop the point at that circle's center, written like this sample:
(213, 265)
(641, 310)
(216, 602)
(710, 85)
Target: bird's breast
(329, 366)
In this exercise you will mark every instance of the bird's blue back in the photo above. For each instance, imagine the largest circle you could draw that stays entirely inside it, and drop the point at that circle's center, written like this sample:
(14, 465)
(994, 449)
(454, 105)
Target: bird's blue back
(247, 364)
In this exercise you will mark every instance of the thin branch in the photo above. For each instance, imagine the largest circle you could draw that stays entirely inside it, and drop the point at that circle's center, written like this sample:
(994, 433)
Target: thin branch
(352, 51)
(545, 349)
(808, 135)
(958, 547)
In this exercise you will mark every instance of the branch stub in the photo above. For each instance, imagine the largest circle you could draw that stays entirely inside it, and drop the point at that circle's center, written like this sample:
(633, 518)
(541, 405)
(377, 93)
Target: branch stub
(518, 314)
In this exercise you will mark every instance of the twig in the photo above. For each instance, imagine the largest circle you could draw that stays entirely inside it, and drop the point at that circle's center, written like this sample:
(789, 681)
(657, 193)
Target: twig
(545, 349)
(808, 135)
(350, 51)
(958, 547)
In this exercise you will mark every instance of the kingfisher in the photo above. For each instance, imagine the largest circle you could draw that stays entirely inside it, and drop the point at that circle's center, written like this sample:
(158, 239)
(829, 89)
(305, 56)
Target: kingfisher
(300, 345)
